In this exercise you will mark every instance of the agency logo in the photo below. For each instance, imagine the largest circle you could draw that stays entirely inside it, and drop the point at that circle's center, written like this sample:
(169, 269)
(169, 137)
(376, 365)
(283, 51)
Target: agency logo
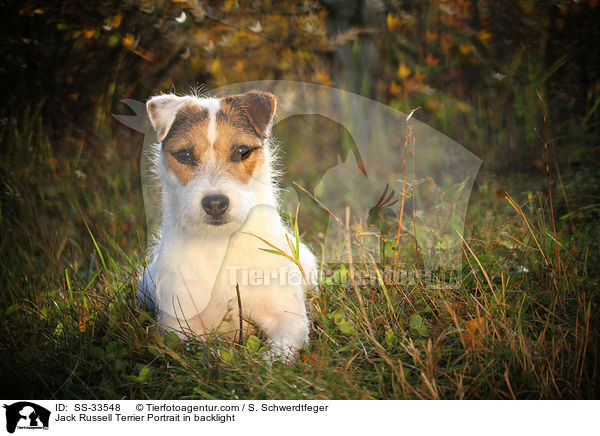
(26, 415)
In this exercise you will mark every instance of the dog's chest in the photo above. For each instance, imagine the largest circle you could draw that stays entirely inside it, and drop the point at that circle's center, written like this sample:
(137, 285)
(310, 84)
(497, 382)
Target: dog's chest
(195, 262)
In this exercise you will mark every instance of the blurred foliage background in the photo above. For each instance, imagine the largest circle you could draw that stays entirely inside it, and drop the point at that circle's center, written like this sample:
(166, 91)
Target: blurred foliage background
(467, 63)
(476, 69)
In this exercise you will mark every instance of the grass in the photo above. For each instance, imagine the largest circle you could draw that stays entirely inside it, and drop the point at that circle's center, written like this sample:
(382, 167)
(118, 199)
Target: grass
(522, 322)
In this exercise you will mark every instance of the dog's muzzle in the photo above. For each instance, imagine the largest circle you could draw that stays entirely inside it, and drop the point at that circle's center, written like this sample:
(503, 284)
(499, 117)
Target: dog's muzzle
(215, 206)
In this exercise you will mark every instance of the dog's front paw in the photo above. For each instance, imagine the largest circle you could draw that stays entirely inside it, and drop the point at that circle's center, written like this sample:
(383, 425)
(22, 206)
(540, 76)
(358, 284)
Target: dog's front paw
(285, 343)
(280, 352)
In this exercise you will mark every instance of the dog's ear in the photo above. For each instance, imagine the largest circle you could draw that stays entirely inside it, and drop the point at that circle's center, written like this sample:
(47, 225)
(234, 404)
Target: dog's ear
(258, 107)
(162, 110)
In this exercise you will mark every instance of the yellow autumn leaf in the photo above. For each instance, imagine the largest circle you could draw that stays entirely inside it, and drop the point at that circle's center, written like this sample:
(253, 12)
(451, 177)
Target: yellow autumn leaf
(419, 77)
(394, 88)
(230, 5)
(215, 67)
(392, 21)
(430, 35)
(323, 78)
(116, 21)
(463, 107)
(89, 33)
(484, 35)
(465, 49)
(128, 40)
(403, 71)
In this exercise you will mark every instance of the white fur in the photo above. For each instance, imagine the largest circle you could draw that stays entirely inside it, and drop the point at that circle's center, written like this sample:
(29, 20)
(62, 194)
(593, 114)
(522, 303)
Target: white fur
(213, 107)
(191, 279)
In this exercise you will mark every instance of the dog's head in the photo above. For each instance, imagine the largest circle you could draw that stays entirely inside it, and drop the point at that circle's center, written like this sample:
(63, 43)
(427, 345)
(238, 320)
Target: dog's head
(214, 157)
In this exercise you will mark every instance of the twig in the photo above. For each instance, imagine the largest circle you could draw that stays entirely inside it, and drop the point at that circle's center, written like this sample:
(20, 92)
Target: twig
(545, 140)
(401, 204)
(328, 337)
(320, 204)
(414, 196)
(512, 394)
(237, 290)
(406, 141)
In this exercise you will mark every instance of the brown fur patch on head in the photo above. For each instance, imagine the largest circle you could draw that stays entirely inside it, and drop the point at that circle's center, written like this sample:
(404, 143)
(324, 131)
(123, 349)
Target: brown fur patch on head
(189, 132)
(230, 136)
(253, 111)
(188, 118)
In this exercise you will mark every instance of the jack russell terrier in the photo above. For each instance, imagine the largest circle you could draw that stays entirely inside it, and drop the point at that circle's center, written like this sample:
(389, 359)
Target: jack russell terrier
(215, 163)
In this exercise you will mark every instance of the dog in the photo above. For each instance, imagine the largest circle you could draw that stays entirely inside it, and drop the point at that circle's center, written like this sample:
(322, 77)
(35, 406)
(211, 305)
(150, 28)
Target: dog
(215, 162)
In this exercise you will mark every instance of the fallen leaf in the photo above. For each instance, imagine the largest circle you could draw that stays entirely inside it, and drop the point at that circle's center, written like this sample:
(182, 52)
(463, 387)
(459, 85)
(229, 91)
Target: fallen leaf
(83, 323)
(392, 21)
(128, 40)
(430, 36)
(465, 49)
(417, 324)
(484, 35)
(475, 331)
(403, 71)
(322, 77)
(395, 89)
(431, 60)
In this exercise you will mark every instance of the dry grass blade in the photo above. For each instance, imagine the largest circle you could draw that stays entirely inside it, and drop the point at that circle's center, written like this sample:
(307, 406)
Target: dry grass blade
(520, 212)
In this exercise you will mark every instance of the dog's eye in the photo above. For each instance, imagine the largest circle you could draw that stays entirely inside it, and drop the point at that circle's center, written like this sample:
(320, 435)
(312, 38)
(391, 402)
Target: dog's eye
(184, 156)
(241, 152)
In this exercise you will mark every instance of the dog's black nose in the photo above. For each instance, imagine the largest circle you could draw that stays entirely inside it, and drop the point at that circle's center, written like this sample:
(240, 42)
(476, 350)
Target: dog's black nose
(215, 205)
